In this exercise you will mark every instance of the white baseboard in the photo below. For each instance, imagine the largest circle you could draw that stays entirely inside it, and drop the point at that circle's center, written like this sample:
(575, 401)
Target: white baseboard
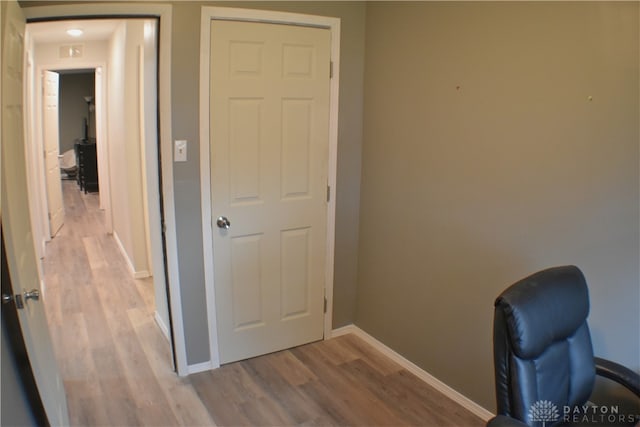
(124, 253)
(163, 328)
(141, 274)
(199, 367)
(452, 394)
(136, 274)
(345, 330)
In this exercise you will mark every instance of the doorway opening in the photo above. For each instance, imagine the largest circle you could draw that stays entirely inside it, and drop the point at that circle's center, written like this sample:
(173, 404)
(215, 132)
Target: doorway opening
(77, 125)
(113, 207)
(209, 15)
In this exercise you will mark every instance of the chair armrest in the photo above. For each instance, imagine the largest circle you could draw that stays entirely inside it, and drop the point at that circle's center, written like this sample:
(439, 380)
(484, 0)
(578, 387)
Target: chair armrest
(504, 421)
(618, 373)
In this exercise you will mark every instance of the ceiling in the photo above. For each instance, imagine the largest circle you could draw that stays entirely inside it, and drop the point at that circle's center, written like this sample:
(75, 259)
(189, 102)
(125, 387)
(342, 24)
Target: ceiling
(55, 31)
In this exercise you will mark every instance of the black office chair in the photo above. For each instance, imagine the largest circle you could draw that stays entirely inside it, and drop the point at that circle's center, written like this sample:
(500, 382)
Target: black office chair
(542, 348)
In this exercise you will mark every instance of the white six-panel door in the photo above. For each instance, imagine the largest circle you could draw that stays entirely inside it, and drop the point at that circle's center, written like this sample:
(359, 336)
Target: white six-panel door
(269, 106)
(50, 136)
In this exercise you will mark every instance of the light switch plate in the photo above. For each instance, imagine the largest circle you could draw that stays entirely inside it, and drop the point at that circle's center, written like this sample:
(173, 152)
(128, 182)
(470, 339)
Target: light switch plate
(180, 150)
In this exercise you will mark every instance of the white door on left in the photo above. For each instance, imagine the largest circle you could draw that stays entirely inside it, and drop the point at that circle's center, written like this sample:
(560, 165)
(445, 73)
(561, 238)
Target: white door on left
(15, 218)
(51, 139)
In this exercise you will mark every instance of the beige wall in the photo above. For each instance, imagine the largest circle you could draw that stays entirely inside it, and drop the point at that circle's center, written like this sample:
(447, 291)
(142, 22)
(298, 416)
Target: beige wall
(127, 196)
(484, 160)
(116, 136)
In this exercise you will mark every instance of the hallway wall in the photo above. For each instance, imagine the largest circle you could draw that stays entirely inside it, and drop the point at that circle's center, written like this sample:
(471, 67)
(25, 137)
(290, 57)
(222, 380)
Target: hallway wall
(125, 153)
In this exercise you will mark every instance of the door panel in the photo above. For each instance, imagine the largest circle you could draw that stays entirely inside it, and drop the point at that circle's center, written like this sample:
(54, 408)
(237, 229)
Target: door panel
(294, 273)
(51, 141)
(245, 125)
(16, 220)
(247, 281)
(269, 150)
(296, 145)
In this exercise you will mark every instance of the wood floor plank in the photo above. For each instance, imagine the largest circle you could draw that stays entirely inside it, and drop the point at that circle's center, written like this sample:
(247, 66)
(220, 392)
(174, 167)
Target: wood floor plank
(186, 405)
(377, 360)
(100, 333)
(94, 252)
(74, 348)
(121, 411)
(388, 391)
(219, 398)
(85, 411)
(51, 301)
(352, 400)
(337, 352)
(266, 412)
(291, 400)
(291, 369)
(144, 287)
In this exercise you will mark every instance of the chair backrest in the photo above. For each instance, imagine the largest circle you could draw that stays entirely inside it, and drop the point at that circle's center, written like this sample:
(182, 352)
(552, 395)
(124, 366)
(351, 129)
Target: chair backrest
(543, 355)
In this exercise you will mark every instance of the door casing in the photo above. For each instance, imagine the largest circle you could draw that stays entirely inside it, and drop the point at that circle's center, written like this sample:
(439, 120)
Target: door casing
(209, 14)
(35, 127)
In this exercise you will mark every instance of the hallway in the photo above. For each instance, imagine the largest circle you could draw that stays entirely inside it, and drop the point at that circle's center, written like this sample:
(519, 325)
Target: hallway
(115, 362)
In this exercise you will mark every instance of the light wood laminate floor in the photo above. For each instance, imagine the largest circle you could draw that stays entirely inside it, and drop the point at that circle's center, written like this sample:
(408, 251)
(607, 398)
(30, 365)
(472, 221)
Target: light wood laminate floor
(116, 364)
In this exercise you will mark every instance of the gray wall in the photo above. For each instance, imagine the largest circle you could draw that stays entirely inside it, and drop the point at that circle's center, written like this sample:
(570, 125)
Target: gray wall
(484, 160)
(185, 102)
(73, 108)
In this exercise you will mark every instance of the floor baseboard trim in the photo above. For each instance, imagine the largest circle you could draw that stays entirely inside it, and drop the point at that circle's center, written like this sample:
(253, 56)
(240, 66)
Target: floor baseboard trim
(199, 367)
(136, 274)
(161, 325)
(141, 274)
(124, 253)
(443, 388)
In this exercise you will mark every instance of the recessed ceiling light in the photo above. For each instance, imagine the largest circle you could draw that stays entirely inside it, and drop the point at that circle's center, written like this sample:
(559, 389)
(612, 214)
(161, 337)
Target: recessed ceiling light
(75, 32)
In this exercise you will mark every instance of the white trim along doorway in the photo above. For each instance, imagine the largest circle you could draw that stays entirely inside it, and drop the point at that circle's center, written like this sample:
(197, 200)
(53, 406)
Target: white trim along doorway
(164, 14)
(208, 14)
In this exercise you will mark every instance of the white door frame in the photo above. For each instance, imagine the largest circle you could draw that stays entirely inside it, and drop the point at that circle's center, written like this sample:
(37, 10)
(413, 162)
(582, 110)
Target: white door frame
(35, 162)
(53, 185)
(36, 141)
(164, 13)
(209, 14)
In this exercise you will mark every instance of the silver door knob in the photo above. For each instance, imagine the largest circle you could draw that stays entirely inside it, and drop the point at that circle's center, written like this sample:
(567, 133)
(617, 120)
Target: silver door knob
(223, 222)
(32, 294)
(6, 299)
